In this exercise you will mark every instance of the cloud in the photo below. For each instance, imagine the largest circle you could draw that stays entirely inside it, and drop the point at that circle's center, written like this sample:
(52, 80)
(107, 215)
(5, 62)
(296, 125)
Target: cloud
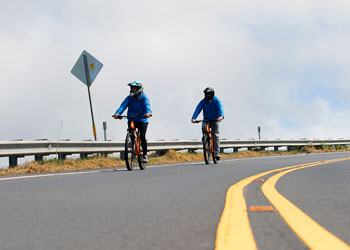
(279, 65)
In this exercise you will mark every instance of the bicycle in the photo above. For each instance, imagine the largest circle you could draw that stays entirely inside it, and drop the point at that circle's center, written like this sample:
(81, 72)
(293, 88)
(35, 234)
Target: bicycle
(133, 149)
(208, 143)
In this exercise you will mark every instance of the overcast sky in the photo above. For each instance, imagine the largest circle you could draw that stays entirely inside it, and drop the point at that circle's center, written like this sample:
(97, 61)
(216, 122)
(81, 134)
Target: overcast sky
(281, 65)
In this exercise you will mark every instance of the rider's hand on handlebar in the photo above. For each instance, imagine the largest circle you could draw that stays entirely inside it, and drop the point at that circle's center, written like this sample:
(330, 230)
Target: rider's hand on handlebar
(117, 116)
(148, 115)
(193, 120)
(220, 118)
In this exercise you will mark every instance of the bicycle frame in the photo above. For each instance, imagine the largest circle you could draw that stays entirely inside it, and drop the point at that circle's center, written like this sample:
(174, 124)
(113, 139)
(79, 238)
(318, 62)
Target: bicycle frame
(210, 136)
(208, 142)
(137, 138)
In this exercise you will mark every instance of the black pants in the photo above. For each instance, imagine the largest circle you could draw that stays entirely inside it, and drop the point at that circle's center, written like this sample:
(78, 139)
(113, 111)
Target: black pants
(142, 127)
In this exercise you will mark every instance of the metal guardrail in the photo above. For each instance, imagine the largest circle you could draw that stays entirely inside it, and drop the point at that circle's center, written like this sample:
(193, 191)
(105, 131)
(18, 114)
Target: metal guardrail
(40, 148)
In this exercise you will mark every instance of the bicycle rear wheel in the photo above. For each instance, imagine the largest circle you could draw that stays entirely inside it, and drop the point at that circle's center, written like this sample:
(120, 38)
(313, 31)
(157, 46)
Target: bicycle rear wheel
(129, 151)
(206, 149)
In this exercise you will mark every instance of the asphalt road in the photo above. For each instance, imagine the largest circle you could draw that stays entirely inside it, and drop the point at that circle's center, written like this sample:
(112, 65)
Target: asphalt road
(172, 207)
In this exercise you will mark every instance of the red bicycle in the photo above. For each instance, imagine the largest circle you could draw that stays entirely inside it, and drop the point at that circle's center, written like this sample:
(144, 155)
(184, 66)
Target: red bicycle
(133, 149)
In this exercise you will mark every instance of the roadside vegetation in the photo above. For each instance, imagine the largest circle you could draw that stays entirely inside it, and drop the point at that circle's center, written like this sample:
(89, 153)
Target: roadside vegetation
(170, 157)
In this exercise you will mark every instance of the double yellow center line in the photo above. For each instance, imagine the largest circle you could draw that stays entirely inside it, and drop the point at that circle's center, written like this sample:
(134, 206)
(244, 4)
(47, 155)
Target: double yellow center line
(234, 230)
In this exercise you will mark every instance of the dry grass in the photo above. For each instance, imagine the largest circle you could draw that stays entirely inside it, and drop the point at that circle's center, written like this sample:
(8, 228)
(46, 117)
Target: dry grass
(310, 149)
(175, 157)
(56, 166)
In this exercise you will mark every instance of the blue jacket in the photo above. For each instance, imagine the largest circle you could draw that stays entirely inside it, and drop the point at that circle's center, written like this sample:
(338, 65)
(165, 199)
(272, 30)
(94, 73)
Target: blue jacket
(137, 106)
(211, 109)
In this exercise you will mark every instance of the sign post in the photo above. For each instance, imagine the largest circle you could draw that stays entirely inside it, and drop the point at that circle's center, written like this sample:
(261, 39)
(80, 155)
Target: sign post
(88, 86)
(86, 69)
(105, 130)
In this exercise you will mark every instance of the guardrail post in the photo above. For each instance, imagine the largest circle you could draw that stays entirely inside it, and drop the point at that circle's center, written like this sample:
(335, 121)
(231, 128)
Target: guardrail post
(62, 157)
(275, 148)
(122, 155)
(235, 150)
(191, 150)
(13, 161)
(161, 152)
(83, 156)
(291, 148)
(249, 148)
(39, 158)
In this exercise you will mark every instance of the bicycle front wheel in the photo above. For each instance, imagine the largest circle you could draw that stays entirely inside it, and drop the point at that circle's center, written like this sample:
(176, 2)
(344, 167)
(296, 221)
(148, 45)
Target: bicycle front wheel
(212, 150)
(206, 149)
(142, 164)
(129, 151)
(214, 159)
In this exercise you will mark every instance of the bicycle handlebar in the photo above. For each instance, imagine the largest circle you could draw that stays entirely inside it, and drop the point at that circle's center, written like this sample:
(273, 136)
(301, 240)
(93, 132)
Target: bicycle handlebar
(131, 117)
(198, 121)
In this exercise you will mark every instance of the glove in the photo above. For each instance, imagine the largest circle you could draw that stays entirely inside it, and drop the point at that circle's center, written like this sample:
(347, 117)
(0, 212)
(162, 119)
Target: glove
(117, 116)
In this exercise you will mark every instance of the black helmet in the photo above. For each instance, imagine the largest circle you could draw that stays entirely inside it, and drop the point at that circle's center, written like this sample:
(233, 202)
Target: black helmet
(209, 93)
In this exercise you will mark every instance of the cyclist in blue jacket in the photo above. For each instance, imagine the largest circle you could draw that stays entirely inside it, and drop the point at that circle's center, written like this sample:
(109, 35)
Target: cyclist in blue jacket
(213, 113)
(139, 107)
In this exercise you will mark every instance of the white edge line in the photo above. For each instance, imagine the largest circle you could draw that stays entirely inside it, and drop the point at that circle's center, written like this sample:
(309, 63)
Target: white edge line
(48, 175)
